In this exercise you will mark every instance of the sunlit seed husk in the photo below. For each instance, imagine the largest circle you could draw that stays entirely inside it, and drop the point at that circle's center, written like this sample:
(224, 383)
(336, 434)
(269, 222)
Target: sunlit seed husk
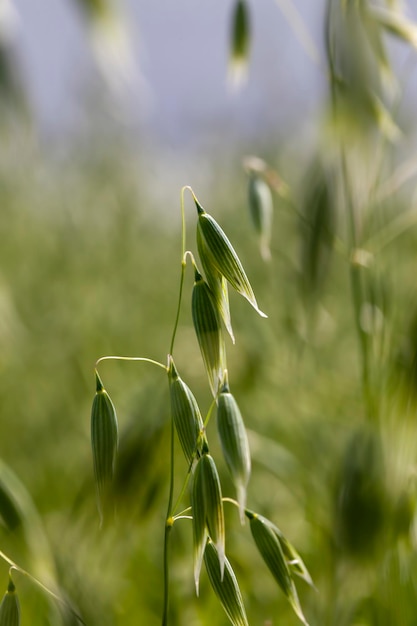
(225, 586)
(235, 444)
(223, 256)
(198, 506)
(271, 551)
(261, 208)
(217, 283)
(185, 413)
(10, 607)
(207, 327)
(104, 440)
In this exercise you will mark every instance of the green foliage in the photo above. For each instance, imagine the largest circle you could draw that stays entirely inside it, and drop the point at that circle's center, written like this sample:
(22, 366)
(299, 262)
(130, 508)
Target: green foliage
(327, 385)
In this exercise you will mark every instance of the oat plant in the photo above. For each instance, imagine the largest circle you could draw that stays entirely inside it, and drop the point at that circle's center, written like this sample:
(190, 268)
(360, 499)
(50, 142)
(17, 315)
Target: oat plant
(200, 500)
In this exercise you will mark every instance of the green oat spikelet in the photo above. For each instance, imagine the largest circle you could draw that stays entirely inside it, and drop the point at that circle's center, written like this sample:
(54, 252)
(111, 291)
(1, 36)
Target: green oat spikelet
(225, 587)
(240, 43)
(261, 208)
(234, 442)
(270, 549)
(217, 283)
(185, 413)
(200, 533)
(208, 515)
(207, 326)
(223, 257)
(10, 606)
(104, 442)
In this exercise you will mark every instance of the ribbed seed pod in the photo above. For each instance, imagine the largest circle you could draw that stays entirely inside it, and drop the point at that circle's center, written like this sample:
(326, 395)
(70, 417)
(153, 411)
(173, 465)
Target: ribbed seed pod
(208, 515)
(200, 533)
(271, 551)
(217, 283)
(223, 256)
(225, 587)
(10, 607)
(260, 206)
(186, 414)
(234, 442)
(207, 327)
(104, 440)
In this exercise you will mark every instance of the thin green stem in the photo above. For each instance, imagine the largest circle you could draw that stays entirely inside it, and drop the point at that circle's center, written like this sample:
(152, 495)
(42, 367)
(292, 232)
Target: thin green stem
(169, 519)
(168, 526)
(183, 264)
(184, 487)
(231, 501)
(356, 271)
(182, 514)
(210, 411)
(37, 582)
(130, 358)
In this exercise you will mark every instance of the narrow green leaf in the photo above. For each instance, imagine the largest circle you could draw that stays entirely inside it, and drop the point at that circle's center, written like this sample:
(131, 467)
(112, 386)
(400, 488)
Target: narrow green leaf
(185, 413)
(223, 256)
(104, 440)
(272, 553)
(261, 207)
(225, 586)
(10, 607)
(207, 325)
(218, 285)
(234, 442)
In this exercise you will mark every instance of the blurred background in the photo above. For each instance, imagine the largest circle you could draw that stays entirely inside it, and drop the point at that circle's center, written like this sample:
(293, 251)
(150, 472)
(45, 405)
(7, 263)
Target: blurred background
(107, 110)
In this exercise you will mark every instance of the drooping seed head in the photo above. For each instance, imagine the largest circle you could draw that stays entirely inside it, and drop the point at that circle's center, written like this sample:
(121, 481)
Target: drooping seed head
(104, 441)
(185, 413)
(10, 607)
(222, 255)
(234, 442)
(270, 548)
(225, 586)
(207, 325)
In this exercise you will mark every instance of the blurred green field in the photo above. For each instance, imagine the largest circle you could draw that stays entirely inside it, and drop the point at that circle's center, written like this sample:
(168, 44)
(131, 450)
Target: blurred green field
(90, 266)
(88, 270)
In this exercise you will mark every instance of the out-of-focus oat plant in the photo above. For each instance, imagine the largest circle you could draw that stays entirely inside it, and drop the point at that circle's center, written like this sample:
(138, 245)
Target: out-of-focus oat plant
(348, 209)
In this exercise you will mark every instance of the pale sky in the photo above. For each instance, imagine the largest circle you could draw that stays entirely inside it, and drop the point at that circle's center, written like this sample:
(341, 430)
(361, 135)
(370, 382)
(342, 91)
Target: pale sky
(180, 52)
